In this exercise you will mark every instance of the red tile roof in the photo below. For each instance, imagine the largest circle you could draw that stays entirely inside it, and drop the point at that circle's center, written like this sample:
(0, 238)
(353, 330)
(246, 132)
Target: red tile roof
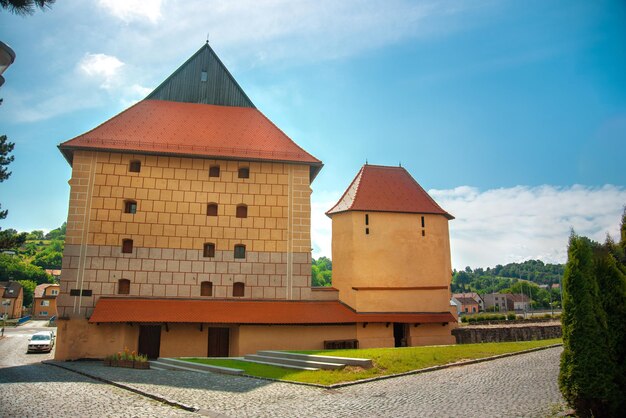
(220, 311)
(386, 189)
(41, 289)
(191, 129)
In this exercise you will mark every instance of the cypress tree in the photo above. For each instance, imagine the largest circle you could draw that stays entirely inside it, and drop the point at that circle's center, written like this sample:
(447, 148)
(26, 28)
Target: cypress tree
(586, 376)
(612, 285)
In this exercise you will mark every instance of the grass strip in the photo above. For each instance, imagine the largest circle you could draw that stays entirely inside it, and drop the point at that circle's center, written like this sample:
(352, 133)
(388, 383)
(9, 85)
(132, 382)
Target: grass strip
(386, 361)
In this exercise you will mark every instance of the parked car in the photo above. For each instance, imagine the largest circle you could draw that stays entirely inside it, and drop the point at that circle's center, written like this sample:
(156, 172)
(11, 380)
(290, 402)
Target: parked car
(41, 341)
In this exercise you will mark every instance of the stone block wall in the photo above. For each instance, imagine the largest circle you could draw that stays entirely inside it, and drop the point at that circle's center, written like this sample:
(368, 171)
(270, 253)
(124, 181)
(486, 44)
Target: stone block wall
(488, 334)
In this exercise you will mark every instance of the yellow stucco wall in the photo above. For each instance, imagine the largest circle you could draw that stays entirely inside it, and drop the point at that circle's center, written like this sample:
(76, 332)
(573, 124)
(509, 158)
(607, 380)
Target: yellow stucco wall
(432, 334)
(375, 335)
(253, 338)
(184, 340)
(172, 195)
(394, 254)
(76, 339)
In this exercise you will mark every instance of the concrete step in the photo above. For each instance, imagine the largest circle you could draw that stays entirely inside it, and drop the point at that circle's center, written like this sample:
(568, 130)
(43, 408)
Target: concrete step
(362, 362)
(271, 363)
(295, 362)
(175, 364)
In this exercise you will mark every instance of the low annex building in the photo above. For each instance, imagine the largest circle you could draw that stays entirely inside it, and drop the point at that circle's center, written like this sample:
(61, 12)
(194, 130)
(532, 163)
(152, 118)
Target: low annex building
(188, 234)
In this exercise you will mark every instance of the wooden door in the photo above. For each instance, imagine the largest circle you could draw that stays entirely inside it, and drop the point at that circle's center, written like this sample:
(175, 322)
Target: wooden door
(218, 342)
(150, 340)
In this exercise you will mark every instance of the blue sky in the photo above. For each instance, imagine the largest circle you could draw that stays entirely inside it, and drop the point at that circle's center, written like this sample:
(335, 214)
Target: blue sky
(512, 114)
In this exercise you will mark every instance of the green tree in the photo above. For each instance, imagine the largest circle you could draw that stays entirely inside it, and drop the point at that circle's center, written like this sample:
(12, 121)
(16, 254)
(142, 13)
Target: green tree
(612, 284)
(321, 272)
(6, 148)
(35, 235)
(29, 290)
(15, 269)
(586, 374)
(25, 7)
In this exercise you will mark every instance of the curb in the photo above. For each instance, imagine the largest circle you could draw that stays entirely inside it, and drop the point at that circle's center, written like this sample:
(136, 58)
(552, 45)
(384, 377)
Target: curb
(175, 404)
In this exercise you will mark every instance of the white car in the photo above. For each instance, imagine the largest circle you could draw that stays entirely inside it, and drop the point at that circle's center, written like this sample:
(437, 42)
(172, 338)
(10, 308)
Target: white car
(41, 341)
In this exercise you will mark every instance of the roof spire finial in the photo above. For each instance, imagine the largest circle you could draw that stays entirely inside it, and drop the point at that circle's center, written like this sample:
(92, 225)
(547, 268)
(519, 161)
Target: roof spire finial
(400, 164)
(365, 161)
(207, 38)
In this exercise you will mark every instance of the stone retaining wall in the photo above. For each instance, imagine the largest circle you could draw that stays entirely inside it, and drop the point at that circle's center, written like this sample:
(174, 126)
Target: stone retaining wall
(501, 333)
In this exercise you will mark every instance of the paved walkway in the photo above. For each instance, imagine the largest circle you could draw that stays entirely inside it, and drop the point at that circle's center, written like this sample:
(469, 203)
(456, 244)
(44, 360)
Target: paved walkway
(518, 386)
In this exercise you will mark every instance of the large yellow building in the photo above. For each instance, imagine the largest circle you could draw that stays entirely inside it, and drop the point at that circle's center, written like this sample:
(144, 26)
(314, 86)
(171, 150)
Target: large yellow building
(188, 233)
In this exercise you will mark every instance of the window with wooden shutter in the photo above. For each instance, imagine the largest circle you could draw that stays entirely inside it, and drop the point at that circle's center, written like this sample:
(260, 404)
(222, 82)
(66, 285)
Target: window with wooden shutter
(242, 211)
(127, 246)
(211, 209)
(206, 289)
(123, 287)
(209, 249)
(238, 289)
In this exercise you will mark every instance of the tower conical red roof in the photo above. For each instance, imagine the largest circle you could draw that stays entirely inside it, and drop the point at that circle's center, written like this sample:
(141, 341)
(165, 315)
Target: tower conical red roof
(386, 189)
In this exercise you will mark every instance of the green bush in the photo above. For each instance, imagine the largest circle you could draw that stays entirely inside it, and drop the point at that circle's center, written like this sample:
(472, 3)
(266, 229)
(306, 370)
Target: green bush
(511, 316)
(464, 319)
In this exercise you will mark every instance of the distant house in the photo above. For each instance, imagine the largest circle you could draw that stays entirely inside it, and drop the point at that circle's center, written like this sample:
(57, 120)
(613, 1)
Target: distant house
(45, 300)
(519, 302)
(499, 301)
(473, 295)
(466, 305)
(13, 296)
(54, 273)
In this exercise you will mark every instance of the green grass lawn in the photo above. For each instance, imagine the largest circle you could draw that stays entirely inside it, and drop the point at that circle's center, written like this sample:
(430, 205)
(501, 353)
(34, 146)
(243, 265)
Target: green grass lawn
(386, 361)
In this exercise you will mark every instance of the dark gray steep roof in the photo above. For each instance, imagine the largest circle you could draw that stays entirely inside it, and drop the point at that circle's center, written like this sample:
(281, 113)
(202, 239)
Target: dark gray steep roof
(10, 289)
(203, 79)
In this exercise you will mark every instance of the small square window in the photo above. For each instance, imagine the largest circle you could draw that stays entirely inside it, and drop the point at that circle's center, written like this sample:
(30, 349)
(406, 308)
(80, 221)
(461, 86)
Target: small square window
(238, 289)
(244, 172)
(123, 287)
(242, 211)
(214, 171)
(240, 251)
(127, 246)
(206, 289)
(134, 166)
(211, 209)
(130, 206)
(209, 250)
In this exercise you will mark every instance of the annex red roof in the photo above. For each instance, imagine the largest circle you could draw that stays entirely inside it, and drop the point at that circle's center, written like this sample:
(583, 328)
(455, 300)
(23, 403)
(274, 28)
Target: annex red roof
(192, 129)
(386, 189)
(220, 311)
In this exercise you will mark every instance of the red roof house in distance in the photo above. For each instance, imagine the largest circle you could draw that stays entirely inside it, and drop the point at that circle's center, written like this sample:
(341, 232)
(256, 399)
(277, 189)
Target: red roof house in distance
(391, 252)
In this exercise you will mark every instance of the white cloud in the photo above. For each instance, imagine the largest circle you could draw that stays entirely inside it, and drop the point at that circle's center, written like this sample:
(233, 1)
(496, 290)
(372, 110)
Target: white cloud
(103, 67)
(132, 10)
(506, 225)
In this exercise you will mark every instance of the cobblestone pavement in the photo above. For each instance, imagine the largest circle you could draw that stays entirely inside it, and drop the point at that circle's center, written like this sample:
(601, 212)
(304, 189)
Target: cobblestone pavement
(29, 388)
(518, 386)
